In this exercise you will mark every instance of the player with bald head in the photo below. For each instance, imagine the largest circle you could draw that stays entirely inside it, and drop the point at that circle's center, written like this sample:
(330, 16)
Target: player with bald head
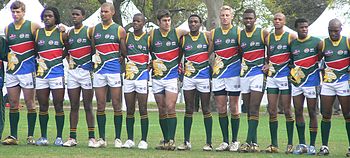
(277, 69)
(335, 52)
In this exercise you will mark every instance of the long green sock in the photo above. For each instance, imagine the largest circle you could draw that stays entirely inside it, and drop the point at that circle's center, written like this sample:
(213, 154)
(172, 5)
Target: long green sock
(144, 127)
(59, 123)
(43, 119)
(208, 124)
(249, 134)
(31, 118)
(290, 130)
(101, 123)
(118, 122)
(234, 127)
(91, 131)
(73, 133)
(14, 118)
(273, 131)
(187, 126)
(172, 122)
(164, 126)
(255, 123)
(313, 134)
(223, 120)
(130, 120)
(301, 132)
(325, 129)
(347, 125)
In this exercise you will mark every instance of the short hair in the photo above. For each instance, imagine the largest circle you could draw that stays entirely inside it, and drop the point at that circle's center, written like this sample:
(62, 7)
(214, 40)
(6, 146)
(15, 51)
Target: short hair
(56, 14)
(163, 13)
(110, 5)
(226, 7)
(249, 10)
(141, 15)
(195, 15)
(300, 20)
(17, 5)
(82, 10)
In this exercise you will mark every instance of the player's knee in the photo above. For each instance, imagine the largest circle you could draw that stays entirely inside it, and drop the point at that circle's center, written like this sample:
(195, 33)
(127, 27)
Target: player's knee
(74, 108)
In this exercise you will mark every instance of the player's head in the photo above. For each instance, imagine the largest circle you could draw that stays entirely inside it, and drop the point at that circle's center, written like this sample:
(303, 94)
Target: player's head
(194, 22)
(107, 11)
(18, 10)
(334, 29)
(302, 26)
(279, 20)
(138, 21)
(164, 19)
(78, 15)
(50, 16)
(249, 18)
(226, 15)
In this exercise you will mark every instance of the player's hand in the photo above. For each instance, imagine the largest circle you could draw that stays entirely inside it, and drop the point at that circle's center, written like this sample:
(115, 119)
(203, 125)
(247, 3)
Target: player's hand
(61, 27)
(265, 68)
(180, 69)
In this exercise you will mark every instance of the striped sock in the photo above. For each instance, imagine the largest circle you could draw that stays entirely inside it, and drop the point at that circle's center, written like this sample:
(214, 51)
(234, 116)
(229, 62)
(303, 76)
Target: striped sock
(73, 133)
(208, 124)
(91, 131)
(43, 119)
(313, 134)
(14, 118)
(301, 132)
(234, 126)
(273, 123)
(130, 120)
(144, 127)
(118, 121)
(164, 126)
(172, 122)
(223, 120)
(31, 118)
(325, 129)
(290, 129)
(59, 123)
(187, 126)
(101, 123)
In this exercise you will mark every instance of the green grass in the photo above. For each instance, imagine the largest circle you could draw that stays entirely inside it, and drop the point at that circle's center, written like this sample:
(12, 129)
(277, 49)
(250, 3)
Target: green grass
(338, 139)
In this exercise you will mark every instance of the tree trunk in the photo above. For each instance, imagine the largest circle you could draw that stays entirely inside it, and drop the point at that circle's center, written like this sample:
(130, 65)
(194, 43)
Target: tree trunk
(213, 13)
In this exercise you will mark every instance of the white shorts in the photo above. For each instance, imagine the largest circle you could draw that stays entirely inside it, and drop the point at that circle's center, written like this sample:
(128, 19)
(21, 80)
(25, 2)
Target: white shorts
(79, 78)
(252, 83)
(24, 80)
(332, 89)
(231, 84)
(279, 83)
(101, 80)
(140, 86)
(202, 85)
(308, 92)
(52, 83)
(167, 85)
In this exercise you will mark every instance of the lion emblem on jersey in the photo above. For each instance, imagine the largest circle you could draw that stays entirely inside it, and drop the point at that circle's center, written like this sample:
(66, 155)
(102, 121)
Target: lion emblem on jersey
(244, 67)
(297, 74)
(271, 70)
(158, 67)
(96, 59)
(41, 67)
(12, 61)
(130, 70)
(71, 63)
(329, 75)
(218, 64)
(189, 68)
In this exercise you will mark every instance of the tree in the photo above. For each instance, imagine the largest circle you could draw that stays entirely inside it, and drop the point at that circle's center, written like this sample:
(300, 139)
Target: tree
(117, 17)
(213, 8)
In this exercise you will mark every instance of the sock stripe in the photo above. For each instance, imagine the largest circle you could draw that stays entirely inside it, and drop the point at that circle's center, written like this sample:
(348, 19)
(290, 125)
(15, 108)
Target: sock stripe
(164, 116)
(73, 130)
(207, 115)
(31, 111)
(14, 110)
(254, 117)
(326, 119)
(289, 119)
(172, 115)
(60, 114)
(130, 116)
(273, 119)
(100, 113)
(313, 129)
(347, 120)
(144, 116)
(91, 129)
(235, 116)
(188, 115)
(118, 113)
(43, 113)
(222, 114)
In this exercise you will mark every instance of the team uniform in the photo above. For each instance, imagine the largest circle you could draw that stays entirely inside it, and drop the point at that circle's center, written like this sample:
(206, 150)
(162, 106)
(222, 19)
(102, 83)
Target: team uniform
(305, 78)
(20, 68)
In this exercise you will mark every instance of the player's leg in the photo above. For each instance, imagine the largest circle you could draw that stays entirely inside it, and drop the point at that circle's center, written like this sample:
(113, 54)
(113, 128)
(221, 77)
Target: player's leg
(326, 111)
(116, 94)
(28, 94)
(345, 102)
(13, 97)
(142, 97)
(235, 118)
(221, 105)
(89, 115)
(254, 106)
(43, 100)
(58, 98)
(189, 108)
(313, 125)
(159, 96)
(74, 99)
(170, 103)
(208, 119)
(100, 93)
(298, 101)
(272, 98)
(130, 99)
(285, 96)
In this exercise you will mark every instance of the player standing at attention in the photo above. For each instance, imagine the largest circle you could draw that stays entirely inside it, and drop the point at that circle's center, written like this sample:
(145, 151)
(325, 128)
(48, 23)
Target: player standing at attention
(136, 80)
(165, 53)
(20, 70)
(225, 75)
(305, 77)
(336, 54)
(252, 42)
(196, 46)
(50, 74)
(79, 76)
(109, 42)
(277, 68)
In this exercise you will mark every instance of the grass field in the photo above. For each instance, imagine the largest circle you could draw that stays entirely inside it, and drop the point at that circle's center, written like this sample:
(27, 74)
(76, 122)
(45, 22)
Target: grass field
(338, 139)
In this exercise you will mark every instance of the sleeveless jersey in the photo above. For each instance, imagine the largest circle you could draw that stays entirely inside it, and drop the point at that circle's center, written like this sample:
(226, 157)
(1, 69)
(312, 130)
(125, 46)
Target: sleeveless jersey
(337, 58)
(227, 61)
(21, 58)
(107, 40)
(138, 57)
(80, 49)
(253, 49)
(305, 72)
(165, 55)
(279, 55)
(196, 56)
(50, 51)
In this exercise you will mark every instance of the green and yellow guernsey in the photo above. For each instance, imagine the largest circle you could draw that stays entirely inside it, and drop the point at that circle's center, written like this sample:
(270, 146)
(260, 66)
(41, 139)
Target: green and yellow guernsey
(227, 61)
(80, 49)
(253, 49)
(196, 56)
(305, 70)
(21, 57)
(165, 54)
(337, 60)
(107, 40)
(50, 53)
(137, 57)
(279, 52)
